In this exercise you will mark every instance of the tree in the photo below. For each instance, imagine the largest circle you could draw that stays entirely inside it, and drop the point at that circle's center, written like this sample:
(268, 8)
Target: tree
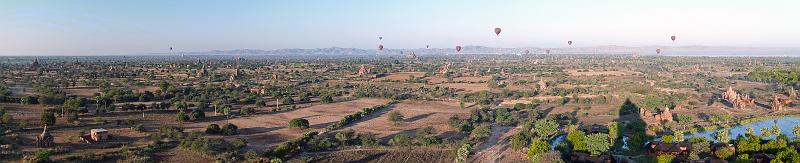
(796, 130)
(395, 117)
(520, 140)
(613, 131)
(678, 136)
(668, 139)
(229, 129)
(665, 158)
(723, 136)
(545, 128)
(597, 143)
(463, 153)
(576, 138)
(298, 123)
(48, 118)
(481, 132)
(537, 148)
(213, 129)
(723, 153)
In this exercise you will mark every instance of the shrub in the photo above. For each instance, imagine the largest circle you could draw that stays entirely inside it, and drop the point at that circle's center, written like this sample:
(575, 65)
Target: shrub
(481, 132)
(402, 140)
(197, 114)
(344, 137)
(368, 139)
(138, 127)
(463, 153)
(213, 129)
(298, 123)
(247, 111)
(430, 140)
(182, 117)
(395, 117)
(229, 129)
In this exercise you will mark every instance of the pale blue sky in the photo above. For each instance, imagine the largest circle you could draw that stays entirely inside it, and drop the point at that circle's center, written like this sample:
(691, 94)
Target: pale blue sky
(103, 27)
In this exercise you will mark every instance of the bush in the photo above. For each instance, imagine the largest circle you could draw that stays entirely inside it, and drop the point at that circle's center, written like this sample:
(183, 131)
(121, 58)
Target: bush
(298, 123)
(213, 129)
(197, 114)
(401, 140)
(430, 140)
(481, 132)
(395, 117)
(368, 139)
(344, 137)
(247, 111)
(138, 127)
(48, 118)
(182, 117)
(229, 129)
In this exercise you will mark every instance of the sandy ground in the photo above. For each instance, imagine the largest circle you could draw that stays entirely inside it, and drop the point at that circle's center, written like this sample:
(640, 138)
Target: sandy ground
(270, 129)
(418, 114)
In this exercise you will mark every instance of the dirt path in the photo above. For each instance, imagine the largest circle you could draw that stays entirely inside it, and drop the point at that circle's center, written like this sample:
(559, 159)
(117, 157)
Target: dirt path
(492, 150)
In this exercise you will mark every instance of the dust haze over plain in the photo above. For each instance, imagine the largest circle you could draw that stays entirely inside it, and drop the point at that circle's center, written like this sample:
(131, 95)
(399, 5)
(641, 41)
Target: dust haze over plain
(714, 27)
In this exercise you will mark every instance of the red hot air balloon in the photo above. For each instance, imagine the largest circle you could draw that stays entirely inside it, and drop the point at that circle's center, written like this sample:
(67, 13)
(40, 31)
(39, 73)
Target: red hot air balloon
(497, 31)
(458, 48)
(672, 38)
(380, 47)
(658, 51)
(569, 42)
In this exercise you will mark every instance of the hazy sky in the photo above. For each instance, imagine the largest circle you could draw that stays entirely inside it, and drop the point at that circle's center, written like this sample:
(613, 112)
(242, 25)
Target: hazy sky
(103, 27)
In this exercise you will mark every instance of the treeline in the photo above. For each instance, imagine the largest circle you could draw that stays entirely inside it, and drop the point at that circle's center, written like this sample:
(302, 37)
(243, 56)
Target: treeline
(785, 76)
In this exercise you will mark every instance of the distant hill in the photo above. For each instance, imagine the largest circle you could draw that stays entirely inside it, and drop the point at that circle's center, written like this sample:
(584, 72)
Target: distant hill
(596, 50)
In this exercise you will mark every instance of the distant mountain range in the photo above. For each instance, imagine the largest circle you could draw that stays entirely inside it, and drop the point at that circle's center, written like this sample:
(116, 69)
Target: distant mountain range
(597, 50)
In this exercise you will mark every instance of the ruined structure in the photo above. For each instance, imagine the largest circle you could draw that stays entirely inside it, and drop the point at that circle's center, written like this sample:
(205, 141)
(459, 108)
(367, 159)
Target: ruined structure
(203, 72)
(444, 69)
(363, 70)
(44, 140)
(542, 85)
(736, 99)
(778, 103)
(411, 55)
(655, 119)
(35, 65)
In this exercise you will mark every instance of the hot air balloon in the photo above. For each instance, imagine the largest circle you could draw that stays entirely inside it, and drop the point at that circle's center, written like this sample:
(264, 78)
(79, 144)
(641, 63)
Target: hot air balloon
(458, 48)
(380, 47)
(527, 51)
(658, 51)
(380, 37)
(547, 51)
(427, 46)
(170, 48)
(672, 38)
(569, 42)
(497, 31)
